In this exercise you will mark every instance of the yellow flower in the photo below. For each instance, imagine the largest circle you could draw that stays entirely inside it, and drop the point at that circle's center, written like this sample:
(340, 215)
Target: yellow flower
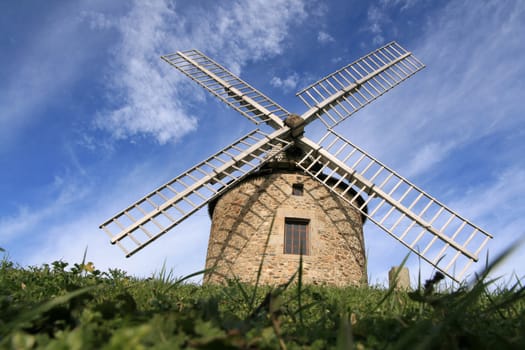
(89, 267)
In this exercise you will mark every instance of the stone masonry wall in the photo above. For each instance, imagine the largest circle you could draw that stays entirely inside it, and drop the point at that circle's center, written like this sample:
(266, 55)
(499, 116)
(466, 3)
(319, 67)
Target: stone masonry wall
(248, 225)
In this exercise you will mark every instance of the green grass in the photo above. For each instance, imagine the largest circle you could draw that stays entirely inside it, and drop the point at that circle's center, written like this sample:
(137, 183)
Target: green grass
(59, 306)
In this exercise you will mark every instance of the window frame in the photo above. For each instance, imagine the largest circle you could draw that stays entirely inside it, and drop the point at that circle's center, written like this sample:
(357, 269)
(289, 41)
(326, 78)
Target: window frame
(297, 189)
(296, 230)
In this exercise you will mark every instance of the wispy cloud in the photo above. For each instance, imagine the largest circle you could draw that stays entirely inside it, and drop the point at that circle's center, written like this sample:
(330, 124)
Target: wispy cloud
(145, 96)
(181, 249)
(502, 201)
(428, 156)
(63, 222)
(324, 37)
(379, 21)
(468, 92)
(145, 92)
(288, 83)
(465, 93)
(403, 4)
(376, 18)
(260, 27)
(59, 195)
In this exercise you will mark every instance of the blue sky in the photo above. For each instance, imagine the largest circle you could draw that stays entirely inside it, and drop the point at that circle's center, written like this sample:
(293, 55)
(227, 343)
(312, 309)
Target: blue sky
(91, 118)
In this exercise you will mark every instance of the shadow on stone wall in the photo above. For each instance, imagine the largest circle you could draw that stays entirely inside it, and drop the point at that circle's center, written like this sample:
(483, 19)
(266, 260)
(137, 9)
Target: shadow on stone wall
(243, 221)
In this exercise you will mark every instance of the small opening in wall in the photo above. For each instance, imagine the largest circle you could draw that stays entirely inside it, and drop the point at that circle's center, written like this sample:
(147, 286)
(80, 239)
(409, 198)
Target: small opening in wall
(297, 189)
(296, 236)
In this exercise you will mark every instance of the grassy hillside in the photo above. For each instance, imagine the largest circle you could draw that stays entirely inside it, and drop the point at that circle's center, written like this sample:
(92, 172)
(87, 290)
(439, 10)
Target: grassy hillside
(58, 306)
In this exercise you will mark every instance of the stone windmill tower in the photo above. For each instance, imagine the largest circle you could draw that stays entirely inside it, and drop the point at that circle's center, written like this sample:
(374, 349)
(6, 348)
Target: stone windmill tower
(276, 197)
(275, 215)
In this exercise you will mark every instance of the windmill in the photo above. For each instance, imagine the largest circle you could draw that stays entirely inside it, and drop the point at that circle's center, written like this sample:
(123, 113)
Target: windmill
(353, 178)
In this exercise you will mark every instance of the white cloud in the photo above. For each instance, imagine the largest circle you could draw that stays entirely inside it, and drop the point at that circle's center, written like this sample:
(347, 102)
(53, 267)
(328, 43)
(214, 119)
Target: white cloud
(465, 93)
(499, 208)
(147, 93)
(379, 19)
(324, 37)
(403, 4)
(376, 19)
(97, 20)
(145, 97)
(287, 84)
(502, 199)
(181, 249)
(336, 59)
(64, 222)
(260, 28)
(425, 158)
(30, 217)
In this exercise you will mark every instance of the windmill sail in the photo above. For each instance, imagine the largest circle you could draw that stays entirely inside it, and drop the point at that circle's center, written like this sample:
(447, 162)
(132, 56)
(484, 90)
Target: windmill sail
(158, 212)
(344, 92)
(427, 227)
(431, 230)
(231, 89)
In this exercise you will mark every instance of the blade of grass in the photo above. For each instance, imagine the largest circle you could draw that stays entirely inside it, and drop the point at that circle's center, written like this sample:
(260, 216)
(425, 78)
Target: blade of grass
(259, 271)
(299, 286)
(191, 275)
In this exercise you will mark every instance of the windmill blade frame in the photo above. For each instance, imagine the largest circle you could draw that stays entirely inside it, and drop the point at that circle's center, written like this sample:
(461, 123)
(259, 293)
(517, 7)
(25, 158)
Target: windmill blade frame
(228, 87)
(434, 232)
(339, 95)
(158, 212)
